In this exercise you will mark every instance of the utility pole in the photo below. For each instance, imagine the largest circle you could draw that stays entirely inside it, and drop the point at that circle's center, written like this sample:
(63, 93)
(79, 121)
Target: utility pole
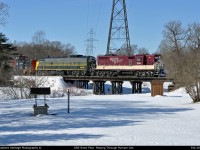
(118, 37)
(90, 43)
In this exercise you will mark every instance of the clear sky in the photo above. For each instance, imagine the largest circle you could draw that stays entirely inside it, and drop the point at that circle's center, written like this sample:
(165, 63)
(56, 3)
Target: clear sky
(70, 21)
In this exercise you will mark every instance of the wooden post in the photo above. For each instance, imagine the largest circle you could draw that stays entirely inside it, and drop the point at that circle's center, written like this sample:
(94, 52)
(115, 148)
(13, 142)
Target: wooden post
(156, 87)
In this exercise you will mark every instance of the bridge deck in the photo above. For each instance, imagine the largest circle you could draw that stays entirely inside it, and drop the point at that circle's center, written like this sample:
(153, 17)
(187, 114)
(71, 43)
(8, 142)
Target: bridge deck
(119, 78)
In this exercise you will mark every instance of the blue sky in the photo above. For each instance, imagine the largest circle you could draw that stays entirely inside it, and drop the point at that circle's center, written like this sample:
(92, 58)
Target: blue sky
(70, 21)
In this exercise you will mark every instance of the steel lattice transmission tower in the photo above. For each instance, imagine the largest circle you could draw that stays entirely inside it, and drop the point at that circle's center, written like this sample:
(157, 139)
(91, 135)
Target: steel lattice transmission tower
(118, 38)
(90, 43)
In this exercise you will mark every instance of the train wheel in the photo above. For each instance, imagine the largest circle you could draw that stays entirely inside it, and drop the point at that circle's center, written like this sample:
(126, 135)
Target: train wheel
(93, 73)
(137, 74)
(74, 73)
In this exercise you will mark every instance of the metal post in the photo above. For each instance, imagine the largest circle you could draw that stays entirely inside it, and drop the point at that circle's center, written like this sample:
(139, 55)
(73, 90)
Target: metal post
(68, 94)
(44, 100)
(35, 100)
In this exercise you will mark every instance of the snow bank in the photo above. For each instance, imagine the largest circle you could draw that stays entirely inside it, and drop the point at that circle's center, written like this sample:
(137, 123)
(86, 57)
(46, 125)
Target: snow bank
(56, 83)
(59, 87)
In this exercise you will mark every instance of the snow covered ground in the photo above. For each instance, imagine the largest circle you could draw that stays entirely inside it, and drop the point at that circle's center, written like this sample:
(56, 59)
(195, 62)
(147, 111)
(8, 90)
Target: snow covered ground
(129, 119)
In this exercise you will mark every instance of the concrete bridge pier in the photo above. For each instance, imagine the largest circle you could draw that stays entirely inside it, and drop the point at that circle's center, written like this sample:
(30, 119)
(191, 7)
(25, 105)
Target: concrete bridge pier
(136, 86)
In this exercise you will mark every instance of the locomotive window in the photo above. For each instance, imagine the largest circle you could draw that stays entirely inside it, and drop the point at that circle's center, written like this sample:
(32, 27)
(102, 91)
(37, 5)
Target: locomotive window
(156, 58)
(139, 59)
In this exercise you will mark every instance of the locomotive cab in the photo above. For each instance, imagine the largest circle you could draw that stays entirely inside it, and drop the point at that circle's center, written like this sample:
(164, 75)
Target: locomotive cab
(159, 67)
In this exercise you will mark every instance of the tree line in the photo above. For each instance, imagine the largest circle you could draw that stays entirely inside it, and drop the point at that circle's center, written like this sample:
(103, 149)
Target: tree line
(40, 47)
(180, 51)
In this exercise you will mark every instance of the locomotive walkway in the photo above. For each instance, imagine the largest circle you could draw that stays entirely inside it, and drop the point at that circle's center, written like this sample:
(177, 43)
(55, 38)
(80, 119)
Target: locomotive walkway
(136, 82)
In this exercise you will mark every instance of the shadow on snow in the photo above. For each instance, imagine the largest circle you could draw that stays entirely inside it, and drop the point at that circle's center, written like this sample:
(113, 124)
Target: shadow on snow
(84, 114)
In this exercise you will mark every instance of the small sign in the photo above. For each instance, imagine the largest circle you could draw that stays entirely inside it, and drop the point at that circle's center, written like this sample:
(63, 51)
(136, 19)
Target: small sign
(41, 91)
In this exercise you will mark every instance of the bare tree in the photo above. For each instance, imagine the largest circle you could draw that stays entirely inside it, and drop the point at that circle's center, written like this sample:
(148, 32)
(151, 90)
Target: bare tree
(57, 48)
(172, 49)
(21, 86)
(38, 39)
(69, 49)
(142, 50)
(194, 35)
(192, 67)
(49, 49)
(191, 74)
(26, 49)
(180, 50)
(124, 51)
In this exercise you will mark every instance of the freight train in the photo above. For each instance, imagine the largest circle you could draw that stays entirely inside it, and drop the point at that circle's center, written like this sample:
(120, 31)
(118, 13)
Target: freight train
(142, 65)
(21, 65)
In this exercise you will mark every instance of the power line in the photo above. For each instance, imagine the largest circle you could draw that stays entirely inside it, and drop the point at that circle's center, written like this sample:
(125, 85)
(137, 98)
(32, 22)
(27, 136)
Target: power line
(98, 14)
(88, 11)
(90, 43)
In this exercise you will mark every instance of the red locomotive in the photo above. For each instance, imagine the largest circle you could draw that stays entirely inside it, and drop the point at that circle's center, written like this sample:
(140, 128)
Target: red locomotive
(136, 65)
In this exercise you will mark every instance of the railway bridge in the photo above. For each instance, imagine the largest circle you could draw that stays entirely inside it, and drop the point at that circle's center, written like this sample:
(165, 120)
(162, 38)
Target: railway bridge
(117, 83)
